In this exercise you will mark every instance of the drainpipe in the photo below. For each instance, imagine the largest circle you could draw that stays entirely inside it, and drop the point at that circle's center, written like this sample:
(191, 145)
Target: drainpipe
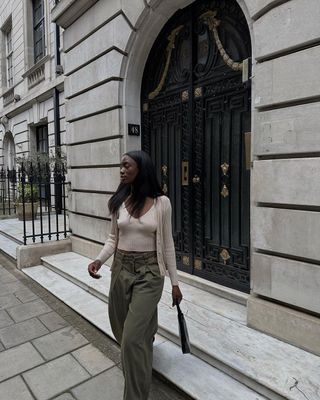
(56, 108)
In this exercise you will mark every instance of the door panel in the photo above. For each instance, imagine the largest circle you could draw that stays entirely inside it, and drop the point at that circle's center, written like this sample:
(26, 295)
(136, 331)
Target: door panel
(193, 127)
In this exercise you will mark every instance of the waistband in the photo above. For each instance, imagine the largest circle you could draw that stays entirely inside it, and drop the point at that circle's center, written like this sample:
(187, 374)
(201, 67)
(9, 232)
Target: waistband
(136, 262)
(135, 255)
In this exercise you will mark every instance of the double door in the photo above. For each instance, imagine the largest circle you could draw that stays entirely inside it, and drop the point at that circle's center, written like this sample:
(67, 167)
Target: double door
(196, 129)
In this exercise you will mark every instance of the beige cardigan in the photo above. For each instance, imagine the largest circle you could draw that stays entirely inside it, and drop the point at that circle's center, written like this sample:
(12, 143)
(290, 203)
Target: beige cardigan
(166, 254)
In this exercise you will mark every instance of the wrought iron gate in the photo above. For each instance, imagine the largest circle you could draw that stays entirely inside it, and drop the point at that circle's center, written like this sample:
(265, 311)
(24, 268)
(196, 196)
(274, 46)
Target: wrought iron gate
(196, 112)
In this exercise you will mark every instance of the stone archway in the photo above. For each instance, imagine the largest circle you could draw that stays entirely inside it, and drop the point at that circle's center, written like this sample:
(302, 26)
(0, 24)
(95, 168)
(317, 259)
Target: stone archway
(9, 151)
(139, 47)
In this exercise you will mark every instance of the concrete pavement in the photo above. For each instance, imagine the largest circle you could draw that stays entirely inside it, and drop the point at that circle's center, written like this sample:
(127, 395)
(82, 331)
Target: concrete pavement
(47, 351)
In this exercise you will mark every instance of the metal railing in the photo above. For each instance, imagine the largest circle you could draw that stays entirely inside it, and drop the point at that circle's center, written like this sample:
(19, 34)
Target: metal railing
(36, 193)
(8, 185)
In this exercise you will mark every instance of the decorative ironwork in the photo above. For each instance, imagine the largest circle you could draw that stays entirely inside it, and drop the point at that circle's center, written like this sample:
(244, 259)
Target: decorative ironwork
(164, 170)
(225, 168)
(198, 92)
(185, 95)
(186, 260)
(197, 264)
(225, 256)
(200, 117)
(171, 38)
(196, 179)
(165, 188)
(225, 191)
(210, 19)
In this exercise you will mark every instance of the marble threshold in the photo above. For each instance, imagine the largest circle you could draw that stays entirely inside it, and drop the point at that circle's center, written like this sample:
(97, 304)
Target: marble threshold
(217, 327)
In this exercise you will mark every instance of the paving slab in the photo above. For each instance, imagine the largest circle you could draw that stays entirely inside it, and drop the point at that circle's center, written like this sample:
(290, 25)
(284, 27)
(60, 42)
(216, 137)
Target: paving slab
(59, 342)
(17, 360)
(6, 277)
(92, 359)
(29, 310)
(25, 295)
(11, 287)
(8, 300)
(22, 332)
(14, 389)
(53, 321)
(107, 386)
(55, 377)
(5, 319)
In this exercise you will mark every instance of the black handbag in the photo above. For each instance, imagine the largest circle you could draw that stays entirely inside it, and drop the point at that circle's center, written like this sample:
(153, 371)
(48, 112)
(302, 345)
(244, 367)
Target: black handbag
(184, 337)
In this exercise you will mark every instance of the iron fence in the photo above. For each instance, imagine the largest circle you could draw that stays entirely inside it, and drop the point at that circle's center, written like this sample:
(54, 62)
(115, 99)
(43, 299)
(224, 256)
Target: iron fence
(7, 191)
(36, 193)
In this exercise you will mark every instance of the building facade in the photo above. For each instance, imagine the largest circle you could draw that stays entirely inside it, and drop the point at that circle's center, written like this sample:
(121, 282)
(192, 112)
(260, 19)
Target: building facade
(32, 83)
(224, 95)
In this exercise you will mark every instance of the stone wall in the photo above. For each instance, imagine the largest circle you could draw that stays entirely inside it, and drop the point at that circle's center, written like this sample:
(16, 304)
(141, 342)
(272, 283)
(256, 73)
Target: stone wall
(286, 185)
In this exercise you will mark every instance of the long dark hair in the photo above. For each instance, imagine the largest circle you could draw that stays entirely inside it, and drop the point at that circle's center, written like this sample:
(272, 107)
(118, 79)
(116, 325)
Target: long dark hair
(145, 185)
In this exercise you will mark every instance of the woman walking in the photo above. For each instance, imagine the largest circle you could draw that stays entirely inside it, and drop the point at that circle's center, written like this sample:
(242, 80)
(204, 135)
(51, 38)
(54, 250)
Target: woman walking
(141, 238)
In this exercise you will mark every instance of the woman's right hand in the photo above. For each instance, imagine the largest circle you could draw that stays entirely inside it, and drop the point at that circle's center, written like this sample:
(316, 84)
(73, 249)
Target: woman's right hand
(93, 269)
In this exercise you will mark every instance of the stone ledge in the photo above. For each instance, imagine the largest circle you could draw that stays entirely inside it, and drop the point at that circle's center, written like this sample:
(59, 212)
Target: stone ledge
(30, 255)
(67, 11)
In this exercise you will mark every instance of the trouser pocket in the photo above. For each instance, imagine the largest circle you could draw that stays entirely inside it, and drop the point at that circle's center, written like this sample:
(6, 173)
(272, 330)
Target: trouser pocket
(116, 269)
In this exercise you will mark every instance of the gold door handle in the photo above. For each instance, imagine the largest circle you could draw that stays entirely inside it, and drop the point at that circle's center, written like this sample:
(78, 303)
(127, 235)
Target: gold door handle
(196, 179)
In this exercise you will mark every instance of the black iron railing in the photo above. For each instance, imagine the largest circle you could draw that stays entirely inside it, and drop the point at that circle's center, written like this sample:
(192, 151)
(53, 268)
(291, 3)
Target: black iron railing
(36, 193)
(8, 185)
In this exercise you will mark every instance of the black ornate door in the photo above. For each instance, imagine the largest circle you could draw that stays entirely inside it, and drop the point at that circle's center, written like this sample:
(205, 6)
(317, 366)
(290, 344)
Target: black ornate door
(195, 114)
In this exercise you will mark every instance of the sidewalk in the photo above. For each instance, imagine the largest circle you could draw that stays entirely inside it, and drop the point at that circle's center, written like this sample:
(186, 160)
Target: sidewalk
(14, 228)
(47, 351)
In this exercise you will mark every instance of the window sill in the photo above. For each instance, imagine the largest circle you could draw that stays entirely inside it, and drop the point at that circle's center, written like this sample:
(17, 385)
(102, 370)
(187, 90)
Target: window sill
(36, 73)
(8, 96)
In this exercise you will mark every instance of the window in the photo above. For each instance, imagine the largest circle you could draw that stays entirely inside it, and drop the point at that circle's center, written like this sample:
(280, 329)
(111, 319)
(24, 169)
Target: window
(9, 52)
(38, 29)
(42, 139)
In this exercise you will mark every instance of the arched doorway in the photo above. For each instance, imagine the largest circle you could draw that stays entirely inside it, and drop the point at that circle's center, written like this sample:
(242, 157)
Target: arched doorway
(196, 111)
(9, 152)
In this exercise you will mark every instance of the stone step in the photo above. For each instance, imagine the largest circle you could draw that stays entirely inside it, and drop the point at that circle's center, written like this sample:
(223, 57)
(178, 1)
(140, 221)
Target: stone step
(219, 335)
(8, 246)
(195, 377)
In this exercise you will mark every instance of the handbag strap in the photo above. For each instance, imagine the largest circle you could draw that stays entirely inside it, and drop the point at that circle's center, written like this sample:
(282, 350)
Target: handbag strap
(179, 309)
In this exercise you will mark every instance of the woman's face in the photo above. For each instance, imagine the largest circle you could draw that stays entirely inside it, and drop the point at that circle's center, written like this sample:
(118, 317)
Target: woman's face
(128, 170)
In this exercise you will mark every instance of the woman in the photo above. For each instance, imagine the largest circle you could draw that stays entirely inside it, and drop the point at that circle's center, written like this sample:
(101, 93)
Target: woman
(141, 237)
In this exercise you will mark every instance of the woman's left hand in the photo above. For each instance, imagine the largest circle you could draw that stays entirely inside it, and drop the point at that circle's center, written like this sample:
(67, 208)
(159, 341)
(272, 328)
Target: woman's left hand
(176, 295)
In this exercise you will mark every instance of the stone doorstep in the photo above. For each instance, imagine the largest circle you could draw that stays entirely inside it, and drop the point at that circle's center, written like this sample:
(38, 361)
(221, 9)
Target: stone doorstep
(263, 363)
(8, 246)
(169, 361)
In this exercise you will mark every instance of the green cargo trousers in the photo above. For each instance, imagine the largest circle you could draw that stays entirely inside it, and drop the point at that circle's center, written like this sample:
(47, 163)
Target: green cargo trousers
(135, 291)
